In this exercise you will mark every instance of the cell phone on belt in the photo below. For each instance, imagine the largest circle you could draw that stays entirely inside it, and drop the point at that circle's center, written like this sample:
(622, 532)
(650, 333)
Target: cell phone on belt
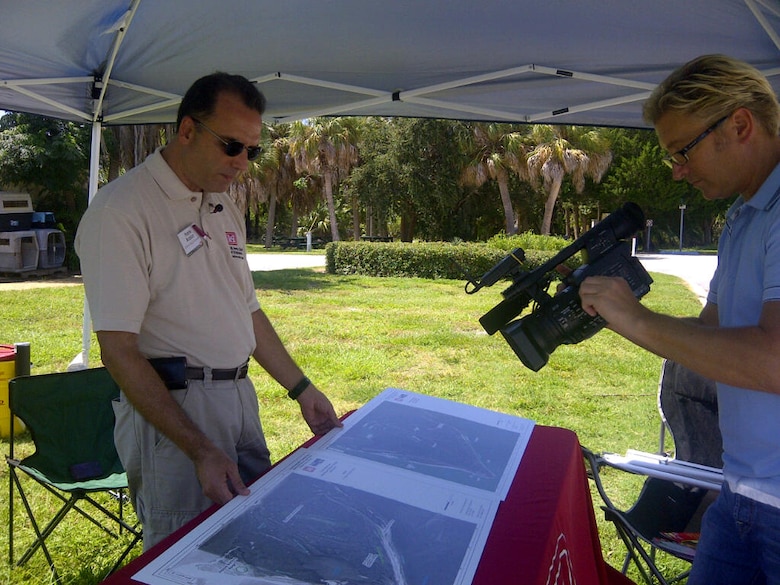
(172, 370)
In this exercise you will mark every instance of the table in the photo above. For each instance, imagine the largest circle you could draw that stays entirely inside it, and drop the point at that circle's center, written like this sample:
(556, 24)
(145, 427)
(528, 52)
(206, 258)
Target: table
(298, 242)
(544, 533)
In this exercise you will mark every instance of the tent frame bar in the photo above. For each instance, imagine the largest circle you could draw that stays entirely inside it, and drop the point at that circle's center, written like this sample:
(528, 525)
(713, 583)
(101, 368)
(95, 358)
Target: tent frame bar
(771, 33)
(417, 95)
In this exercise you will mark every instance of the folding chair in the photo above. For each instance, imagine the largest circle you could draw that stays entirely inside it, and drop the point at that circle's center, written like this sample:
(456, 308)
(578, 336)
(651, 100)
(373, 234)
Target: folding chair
(678, 488)
(71, 422)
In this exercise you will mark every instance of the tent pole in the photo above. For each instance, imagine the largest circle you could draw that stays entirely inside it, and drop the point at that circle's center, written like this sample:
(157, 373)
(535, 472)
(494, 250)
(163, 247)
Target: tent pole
(99, 89)
(81, 361)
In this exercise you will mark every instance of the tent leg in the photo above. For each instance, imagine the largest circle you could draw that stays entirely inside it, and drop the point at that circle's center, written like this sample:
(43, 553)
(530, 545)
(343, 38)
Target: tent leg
(81, 361)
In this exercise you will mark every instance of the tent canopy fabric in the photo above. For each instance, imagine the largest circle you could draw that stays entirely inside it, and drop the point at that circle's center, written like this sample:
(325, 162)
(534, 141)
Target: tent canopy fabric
(587, 62)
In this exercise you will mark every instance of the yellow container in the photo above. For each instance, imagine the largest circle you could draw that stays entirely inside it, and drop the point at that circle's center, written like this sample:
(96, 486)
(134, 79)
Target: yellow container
(7, 371)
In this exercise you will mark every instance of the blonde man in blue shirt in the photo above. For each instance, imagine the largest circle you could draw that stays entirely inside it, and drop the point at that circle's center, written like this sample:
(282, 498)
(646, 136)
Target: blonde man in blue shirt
(718, 120)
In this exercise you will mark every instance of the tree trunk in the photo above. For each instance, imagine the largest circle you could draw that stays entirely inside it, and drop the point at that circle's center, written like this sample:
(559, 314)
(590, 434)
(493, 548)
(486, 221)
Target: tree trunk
(408, 225)
(509, 212)
(577, 222)
(114, 157)
(334, 228)
(269, 228)
(355, 217)
(381, 225)
(256, 223)
(549, 205)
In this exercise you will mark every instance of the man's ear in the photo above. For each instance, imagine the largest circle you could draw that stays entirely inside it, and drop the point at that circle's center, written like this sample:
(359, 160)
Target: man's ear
(744, 124)
(187, 128)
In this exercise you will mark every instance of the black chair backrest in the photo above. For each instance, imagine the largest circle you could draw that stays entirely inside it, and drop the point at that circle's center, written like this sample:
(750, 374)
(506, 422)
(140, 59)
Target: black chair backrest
(689, 407)
(71, 420)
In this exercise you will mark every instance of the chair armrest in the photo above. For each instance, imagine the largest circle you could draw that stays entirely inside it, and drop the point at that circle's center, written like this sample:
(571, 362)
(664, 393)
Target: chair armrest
(664, 467)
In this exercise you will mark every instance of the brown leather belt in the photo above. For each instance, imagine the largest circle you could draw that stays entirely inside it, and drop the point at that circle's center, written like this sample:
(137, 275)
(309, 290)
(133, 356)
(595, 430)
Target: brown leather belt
(193, 373)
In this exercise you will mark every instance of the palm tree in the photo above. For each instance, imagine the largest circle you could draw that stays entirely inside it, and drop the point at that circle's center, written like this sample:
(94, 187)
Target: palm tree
(494, 152)
(245, 191)
(275, 175)
(130, 145)
(326, 147)
(577, 151)
(305, 200)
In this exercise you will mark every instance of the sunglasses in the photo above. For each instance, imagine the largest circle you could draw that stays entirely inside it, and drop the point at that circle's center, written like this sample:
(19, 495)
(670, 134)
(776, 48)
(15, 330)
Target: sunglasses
(233, 147)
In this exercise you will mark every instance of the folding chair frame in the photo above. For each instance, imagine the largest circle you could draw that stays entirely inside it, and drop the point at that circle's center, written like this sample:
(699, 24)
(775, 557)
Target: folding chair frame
(72, 498)
(636, 551)
(692, 489)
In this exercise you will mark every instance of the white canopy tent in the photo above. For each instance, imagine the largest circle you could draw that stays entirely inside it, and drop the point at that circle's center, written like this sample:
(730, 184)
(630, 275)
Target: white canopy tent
(587, 62)
(565, 61)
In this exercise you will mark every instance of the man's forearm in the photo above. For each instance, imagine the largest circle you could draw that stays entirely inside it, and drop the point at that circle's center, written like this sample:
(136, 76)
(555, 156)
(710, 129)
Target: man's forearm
(739, 356)
(271, 354)
(147, 393)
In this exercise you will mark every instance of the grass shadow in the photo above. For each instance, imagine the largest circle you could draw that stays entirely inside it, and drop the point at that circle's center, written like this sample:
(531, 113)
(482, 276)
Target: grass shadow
(297, 279)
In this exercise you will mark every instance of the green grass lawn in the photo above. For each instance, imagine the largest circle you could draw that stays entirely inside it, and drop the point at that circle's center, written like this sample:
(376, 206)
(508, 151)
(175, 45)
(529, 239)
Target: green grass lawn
(355, 336)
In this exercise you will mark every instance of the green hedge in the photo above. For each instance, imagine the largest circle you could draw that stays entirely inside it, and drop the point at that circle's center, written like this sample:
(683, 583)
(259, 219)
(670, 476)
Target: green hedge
(528, 241)
(430, 259)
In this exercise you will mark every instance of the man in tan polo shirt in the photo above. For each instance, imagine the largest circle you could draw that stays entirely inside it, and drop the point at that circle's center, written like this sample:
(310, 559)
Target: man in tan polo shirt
(163, 258)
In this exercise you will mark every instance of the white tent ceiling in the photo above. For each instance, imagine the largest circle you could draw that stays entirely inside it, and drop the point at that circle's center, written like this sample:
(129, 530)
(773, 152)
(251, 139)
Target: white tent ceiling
(553, 61)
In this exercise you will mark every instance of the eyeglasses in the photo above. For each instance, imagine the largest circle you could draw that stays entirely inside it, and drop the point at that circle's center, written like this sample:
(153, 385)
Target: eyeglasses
(680, 157)
(234, 147)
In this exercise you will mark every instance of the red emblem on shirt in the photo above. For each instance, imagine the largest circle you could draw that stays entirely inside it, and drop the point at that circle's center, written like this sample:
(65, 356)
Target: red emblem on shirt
(231, 238)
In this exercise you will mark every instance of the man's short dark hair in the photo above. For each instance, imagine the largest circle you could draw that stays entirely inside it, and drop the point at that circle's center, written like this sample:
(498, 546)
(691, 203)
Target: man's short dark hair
(201, 98)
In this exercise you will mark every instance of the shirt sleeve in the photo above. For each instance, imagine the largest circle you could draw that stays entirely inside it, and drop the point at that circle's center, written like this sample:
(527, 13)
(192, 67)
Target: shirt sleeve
(114, 269)
(772, 259)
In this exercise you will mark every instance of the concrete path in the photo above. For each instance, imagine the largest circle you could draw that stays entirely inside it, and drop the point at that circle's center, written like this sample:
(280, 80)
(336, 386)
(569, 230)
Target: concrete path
(265, 262)
(694, 269)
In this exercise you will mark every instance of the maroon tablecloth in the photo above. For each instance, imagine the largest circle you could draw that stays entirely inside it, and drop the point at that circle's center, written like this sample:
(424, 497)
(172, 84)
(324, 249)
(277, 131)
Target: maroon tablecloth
(544, 533)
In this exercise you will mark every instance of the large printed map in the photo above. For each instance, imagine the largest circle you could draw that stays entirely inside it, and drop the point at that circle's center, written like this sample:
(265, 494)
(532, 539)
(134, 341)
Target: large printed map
(405, 493)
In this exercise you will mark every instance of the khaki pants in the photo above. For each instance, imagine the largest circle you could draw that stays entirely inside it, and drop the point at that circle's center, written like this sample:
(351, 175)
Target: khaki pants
(164, 488)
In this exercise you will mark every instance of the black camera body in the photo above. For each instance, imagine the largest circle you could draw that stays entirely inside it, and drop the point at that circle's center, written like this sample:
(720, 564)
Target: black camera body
(560, 319)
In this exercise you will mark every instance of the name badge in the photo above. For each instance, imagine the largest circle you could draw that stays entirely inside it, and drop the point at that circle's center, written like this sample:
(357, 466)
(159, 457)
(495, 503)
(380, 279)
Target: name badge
(190, 240)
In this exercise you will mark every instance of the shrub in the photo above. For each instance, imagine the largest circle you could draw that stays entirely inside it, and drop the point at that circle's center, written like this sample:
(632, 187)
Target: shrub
(528, 241)
(431, 259)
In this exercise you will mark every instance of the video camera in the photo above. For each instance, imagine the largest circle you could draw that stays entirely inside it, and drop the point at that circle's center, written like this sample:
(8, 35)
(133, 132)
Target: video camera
(560, 319)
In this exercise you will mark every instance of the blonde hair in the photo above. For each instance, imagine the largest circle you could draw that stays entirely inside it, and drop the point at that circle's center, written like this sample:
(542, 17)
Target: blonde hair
(712, 86)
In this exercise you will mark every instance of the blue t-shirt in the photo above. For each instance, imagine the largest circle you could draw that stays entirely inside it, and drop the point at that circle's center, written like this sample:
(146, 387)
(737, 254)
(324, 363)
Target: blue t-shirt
(748, 275)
